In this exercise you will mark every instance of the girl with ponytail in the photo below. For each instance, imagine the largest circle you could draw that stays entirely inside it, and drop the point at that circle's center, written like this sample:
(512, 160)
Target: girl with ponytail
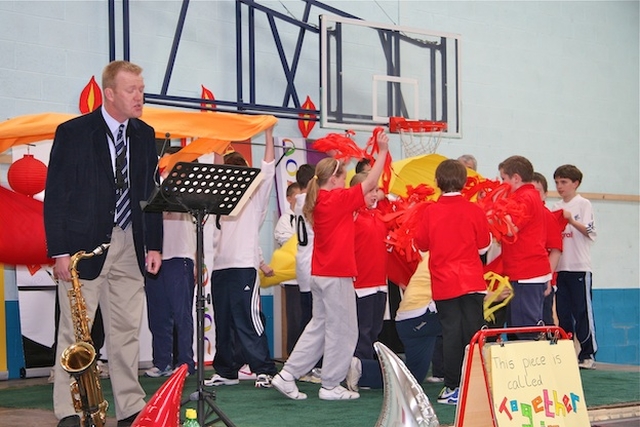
(332, 332)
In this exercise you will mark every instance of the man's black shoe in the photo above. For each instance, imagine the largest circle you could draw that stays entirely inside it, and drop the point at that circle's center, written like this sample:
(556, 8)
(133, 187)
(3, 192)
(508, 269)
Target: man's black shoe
(70, 421)
(127, 421)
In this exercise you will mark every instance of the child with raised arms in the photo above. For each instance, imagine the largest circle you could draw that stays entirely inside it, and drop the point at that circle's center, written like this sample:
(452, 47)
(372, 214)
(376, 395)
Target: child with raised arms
(332, 332)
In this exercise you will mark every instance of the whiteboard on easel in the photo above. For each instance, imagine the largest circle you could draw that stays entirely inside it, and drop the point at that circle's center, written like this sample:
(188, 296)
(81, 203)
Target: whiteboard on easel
(535, 384)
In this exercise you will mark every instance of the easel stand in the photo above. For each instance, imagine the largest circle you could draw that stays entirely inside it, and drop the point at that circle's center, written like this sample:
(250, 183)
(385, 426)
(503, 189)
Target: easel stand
(521, 382)
(202, 189)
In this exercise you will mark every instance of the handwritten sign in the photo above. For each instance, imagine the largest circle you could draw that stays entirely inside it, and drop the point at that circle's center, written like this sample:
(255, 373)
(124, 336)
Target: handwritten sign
(536, 384)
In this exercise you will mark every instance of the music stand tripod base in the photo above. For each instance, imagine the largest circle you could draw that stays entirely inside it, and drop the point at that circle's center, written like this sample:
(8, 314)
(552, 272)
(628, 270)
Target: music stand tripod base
(203, 189)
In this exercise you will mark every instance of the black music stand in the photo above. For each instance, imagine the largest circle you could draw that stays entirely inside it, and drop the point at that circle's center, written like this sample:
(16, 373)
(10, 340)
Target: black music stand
(203, 189)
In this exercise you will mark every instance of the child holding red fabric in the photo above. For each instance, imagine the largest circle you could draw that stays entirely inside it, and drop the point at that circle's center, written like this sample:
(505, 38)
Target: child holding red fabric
(455, 231)
(333, 329)
(524, 252)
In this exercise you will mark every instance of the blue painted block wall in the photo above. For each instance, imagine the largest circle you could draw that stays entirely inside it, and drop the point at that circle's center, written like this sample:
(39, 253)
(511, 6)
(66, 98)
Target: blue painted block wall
(15, 353)
(617, 316)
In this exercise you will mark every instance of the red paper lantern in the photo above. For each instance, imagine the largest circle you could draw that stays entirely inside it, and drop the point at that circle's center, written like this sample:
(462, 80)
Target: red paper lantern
(27, 176)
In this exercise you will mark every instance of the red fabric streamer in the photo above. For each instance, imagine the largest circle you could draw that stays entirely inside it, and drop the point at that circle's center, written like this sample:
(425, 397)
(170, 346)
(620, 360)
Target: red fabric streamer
(340, 147)
(373, 149)
(344, 148)
(402, 217)
(502, 211)
(477, 186)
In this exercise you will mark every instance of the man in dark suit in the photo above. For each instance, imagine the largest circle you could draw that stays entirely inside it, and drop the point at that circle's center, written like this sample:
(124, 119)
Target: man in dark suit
(102, 165)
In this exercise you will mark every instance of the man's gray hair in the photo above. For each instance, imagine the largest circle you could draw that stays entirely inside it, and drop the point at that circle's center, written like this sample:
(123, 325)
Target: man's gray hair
(469, 161)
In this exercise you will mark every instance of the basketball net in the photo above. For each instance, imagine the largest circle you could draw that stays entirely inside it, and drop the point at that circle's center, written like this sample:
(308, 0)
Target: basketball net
(418, 137)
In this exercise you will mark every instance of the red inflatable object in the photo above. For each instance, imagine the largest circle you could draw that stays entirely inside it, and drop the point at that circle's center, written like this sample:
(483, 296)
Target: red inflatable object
(163, 409)
(22, 239)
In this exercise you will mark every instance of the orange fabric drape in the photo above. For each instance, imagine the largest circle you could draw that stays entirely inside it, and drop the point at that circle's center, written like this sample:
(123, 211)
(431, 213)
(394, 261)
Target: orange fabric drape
(214, 131)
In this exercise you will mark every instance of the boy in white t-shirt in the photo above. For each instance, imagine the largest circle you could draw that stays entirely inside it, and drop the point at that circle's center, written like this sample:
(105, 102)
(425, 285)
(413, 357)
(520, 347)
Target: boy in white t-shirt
(285, 229)
(573, 298)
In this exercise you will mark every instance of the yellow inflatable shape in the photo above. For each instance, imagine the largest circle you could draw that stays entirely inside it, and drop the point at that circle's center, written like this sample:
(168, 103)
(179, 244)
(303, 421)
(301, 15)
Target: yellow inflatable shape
(414, 171)
(496, 284)
(283, 262)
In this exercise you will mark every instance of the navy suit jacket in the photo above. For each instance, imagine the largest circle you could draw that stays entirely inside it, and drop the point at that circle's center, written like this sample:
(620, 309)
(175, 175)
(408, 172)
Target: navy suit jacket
(80, 197)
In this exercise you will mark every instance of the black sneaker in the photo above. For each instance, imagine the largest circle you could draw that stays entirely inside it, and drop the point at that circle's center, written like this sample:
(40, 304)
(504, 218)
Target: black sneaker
(70, 421)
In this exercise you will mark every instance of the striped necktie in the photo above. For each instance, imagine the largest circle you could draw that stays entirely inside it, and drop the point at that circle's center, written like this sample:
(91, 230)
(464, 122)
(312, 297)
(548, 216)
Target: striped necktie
(123, 205)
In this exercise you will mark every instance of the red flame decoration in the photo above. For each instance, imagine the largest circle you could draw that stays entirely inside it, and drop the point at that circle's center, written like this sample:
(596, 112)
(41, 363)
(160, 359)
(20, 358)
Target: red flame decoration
(207, 94)
(304, 124)
(90, 97)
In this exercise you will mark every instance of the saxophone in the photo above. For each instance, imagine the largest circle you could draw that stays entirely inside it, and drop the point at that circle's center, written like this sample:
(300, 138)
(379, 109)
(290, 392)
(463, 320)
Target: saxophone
(79, 359)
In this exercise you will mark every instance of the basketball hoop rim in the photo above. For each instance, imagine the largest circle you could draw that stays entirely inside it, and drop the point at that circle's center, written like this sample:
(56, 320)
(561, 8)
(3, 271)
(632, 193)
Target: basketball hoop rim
(400, 124)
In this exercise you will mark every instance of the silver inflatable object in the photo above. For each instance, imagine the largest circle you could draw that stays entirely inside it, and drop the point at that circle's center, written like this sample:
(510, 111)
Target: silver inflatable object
(405, 403)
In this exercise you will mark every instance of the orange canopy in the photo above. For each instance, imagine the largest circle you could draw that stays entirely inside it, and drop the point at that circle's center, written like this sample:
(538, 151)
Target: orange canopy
(213, 131)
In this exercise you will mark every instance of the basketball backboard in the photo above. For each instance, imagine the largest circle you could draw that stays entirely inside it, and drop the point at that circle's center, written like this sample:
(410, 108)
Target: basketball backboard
(370, 72)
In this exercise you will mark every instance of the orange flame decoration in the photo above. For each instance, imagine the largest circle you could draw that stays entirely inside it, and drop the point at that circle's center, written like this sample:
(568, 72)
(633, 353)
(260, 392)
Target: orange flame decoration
(207, 94)
(306, 126)
(90, 97)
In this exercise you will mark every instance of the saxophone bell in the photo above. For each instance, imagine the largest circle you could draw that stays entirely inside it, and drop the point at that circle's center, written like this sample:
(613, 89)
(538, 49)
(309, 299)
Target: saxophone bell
(77, 358)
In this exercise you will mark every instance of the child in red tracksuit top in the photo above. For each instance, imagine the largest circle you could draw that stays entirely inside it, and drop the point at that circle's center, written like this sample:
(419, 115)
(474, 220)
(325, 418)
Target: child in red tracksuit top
(332, 332)
(370, 285)
(371, 282)
(525, 258)
(455, 232)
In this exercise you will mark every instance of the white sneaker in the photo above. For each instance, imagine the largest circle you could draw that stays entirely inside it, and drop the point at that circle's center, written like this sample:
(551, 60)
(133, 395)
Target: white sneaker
(337, 393)
(587, 364)
(449, 396)
(314, 376)
(217, 380)
(288, 388)
(263, 381)
(156, 372)
(245, 373)
(434, 380)
(353, 374)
